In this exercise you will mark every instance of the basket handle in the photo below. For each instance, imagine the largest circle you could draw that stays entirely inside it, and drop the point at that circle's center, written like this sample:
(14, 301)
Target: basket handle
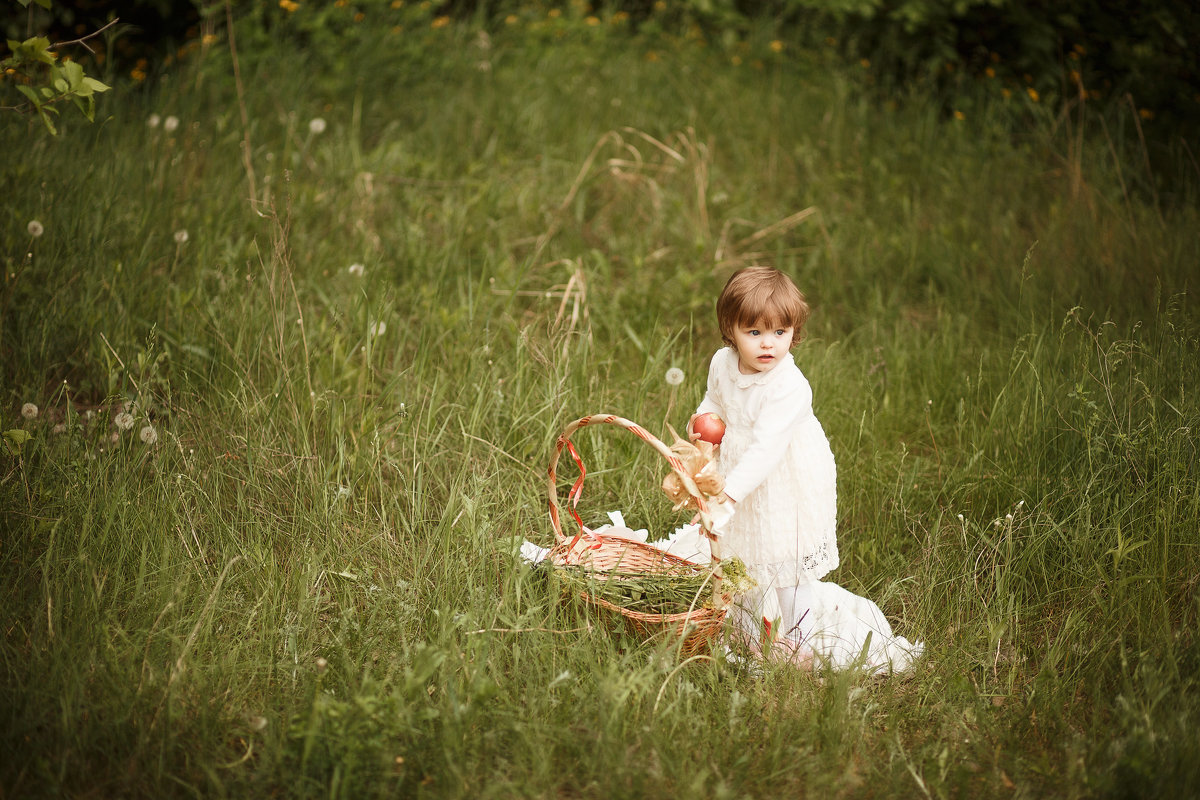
(564, 442)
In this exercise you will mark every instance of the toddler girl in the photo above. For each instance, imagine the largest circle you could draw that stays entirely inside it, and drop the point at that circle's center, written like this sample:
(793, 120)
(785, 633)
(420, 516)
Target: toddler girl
(781, 483)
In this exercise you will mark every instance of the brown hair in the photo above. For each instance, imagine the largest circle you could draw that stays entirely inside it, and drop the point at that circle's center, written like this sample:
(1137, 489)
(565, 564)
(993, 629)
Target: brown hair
(755, 294)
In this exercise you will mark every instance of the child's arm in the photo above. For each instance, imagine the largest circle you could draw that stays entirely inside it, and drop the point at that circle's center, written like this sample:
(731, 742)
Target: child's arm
(774, 427)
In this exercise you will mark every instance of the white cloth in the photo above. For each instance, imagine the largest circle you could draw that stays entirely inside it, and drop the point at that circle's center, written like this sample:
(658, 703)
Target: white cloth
(779, 468)
(841, 628)
(831, 622)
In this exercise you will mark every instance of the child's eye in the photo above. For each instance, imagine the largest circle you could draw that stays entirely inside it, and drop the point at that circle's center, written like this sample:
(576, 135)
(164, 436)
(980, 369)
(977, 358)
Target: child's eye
(754, 332)
(779, 332)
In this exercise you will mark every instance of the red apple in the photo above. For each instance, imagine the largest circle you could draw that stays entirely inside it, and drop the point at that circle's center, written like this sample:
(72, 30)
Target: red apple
(710, 427)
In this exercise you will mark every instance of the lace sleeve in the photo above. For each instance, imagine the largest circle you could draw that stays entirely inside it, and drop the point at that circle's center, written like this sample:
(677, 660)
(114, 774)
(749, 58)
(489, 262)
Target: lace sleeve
(786, 407)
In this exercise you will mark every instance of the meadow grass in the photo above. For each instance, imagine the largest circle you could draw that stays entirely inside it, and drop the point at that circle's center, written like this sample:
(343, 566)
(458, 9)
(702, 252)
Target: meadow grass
(306, 586)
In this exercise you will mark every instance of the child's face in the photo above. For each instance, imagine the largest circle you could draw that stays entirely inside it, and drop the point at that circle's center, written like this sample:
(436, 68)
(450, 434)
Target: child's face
(761, 347)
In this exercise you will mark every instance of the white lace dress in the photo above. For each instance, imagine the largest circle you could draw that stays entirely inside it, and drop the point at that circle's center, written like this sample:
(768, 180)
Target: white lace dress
(779, 468)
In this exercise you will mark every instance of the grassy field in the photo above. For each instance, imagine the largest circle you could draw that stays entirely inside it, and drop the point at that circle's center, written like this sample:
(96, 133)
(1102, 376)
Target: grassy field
(353, 343)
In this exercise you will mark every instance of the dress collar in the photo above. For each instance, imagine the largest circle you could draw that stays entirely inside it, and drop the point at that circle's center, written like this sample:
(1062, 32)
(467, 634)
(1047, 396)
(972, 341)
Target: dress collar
(743, 381)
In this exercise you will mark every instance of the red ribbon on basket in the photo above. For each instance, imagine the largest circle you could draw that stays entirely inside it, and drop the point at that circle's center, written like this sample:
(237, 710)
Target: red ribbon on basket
(574, 495)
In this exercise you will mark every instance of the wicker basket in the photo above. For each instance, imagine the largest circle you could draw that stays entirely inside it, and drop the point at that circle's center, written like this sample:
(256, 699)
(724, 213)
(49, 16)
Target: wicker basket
(600, 553)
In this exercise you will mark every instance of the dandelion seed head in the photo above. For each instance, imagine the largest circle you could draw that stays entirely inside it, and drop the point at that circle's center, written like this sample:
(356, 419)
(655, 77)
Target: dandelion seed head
(961, 518)
(153, 120)
(181, 236)
(29, 411)
(378, 328)
(171, 123)
(674, 376)
(114, 437)
(59, 428)
(316, 125)
(357, 270)
(148, 435)
(257, 723)
(124, 420)
(35, 228)
(321, 664)
(1008, 518)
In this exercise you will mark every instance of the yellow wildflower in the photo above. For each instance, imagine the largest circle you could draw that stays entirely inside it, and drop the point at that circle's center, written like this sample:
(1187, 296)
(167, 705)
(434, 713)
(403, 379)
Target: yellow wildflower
(554, 13)
(959, 115)
(776, 46)
(1033, 94)
(440, 22)
(1145, 113)
(592, 20)
(511, 19)
(991, 73)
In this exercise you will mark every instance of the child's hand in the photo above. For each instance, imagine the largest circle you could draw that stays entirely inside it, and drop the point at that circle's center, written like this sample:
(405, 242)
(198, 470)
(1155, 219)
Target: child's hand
(721, 498)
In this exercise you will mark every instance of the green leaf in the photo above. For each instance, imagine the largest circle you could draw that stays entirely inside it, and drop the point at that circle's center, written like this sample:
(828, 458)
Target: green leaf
(15, 438)
(43, 3)
(95, 85)
(46, 119)
(73, 72)
(29, 92)
(34, 49)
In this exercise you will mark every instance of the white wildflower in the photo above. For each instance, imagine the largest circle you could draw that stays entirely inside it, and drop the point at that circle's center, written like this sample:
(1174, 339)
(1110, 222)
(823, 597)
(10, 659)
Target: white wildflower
(321, 664)
(35, 228)
(29, 411)
(316, 125)
(124, 420)
(378, 328)
(153, 120)
(356, 270)
(674, 376)
(148, 435)
(181, 236)
(171, 123)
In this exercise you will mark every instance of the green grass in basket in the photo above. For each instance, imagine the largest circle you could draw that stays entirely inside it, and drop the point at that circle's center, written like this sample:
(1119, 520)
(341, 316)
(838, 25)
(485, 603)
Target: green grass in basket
(674, 590)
